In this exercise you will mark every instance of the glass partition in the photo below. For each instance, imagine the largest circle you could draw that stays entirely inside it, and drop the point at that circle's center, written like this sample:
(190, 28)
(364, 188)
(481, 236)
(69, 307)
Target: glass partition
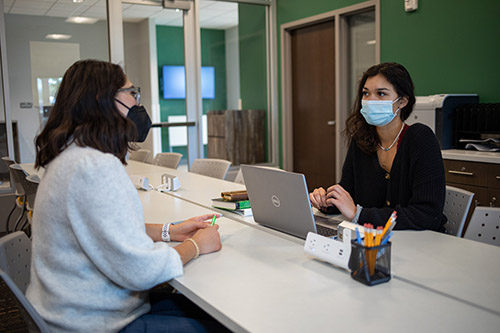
(42, 40)
(234, 43)
(362, 44)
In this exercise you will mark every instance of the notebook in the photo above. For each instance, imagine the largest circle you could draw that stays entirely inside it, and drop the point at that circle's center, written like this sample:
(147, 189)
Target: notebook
(280, 200)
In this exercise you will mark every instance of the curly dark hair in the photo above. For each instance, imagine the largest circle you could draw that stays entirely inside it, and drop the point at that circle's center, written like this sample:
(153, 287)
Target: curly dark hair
(357, 129)
(85, 113)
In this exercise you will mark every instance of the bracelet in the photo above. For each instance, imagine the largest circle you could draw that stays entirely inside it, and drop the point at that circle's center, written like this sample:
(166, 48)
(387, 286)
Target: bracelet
(196, 246)
(358, 213)
(165, 232)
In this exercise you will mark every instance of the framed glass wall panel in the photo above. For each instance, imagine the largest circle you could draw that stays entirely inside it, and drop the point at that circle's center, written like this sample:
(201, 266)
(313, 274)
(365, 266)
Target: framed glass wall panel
(42, 39)
(362, 43)
(234, 39)
(154, 60)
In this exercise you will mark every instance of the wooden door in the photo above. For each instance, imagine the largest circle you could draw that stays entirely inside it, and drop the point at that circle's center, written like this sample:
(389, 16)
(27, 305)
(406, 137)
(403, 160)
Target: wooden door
(313, 103)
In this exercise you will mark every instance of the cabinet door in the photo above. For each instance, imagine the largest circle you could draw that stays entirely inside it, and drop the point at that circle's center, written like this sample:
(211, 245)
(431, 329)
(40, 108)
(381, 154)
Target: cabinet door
(494, 176)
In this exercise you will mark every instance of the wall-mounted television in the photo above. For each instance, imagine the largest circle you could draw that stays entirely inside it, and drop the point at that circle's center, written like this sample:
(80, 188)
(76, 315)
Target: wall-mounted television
(174, 82)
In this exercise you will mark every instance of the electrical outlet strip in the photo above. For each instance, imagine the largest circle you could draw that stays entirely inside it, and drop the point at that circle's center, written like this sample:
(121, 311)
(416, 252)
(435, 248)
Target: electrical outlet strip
(140, 182)
(328, 249)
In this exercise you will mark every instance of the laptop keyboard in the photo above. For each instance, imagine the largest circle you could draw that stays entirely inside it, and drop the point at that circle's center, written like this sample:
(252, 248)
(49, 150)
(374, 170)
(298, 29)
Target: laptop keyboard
(325, 231)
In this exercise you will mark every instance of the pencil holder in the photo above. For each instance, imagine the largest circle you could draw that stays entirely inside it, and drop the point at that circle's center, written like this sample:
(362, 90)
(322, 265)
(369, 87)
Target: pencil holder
(370, 265)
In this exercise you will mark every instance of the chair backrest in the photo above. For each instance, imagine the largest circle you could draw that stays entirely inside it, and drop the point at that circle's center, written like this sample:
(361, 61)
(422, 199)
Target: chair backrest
(15, 258)
(239, 177)
(140, 155)
(20, 177)
(210, 167)
(168, 160)
(8, 162)
(484, 225)
(456, 207)
(31, 186)
(19, 314)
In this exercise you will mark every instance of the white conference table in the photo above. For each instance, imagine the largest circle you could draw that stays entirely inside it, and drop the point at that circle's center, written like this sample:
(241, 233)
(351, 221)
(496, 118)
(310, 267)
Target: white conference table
(200, 190)
(457, 270)
(461, 268)
(262, 282)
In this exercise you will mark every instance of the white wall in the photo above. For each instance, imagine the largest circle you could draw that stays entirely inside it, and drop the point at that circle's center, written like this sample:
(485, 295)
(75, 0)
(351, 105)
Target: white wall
(20, 30)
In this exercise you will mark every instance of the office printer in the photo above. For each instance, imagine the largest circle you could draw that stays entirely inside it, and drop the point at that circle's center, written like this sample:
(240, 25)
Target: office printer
(437, 112)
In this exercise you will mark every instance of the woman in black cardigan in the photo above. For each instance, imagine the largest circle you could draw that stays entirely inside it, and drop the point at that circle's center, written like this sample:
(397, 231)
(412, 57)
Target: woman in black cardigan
(389, 165)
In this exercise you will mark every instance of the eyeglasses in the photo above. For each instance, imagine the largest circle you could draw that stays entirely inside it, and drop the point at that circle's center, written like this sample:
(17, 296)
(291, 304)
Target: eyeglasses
(134, 91)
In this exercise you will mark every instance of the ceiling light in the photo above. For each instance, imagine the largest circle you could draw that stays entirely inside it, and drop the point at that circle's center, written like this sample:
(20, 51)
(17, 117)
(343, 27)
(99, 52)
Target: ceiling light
(58, 36)
(371, 42)
(81, 20)
(77, 1)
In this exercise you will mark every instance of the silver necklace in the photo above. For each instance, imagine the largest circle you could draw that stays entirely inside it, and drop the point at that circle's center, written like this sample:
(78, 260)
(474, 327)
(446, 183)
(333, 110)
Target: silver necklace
(395, 140)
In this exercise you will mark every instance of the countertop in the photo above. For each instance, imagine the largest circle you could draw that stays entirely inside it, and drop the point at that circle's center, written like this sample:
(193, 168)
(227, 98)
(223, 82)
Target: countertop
(471, 155)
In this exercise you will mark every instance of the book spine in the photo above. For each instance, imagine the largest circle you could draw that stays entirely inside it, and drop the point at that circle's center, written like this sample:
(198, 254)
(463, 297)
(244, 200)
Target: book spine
(243, 204)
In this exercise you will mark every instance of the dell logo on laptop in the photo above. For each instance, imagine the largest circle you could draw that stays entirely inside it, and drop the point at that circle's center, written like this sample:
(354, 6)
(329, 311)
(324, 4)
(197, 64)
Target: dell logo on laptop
(276, 201)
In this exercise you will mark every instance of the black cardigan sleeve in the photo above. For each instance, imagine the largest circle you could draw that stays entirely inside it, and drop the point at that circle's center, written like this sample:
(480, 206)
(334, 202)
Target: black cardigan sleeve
(348, 177)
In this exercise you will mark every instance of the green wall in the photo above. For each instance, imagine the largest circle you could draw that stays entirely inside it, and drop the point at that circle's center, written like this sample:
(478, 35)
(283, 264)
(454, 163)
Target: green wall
(170, 51)
(252, 49)
(253, 67)
(448, 46)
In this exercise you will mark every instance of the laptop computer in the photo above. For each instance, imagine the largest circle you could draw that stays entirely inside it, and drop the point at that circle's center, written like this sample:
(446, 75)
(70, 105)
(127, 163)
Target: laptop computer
(280, 200)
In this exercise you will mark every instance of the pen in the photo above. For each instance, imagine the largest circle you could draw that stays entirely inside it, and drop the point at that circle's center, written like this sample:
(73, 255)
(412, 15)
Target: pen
(213, 220)
(385, 240)
(358, 237)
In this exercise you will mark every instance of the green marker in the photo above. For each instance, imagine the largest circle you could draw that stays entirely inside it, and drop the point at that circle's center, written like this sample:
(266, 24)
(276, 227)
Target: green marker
(213, 220)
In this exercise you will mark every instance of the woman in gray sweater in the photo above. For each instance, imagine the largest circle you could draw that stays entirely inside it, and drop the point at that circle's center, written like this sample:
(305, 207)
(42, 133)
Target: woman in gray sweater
(94, 259)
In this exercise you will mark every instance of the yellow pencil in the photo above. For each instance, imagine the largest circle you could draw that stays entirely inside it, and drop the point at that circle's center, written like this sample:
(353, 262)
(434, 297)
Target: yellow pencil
(388, 224)
(378, 236)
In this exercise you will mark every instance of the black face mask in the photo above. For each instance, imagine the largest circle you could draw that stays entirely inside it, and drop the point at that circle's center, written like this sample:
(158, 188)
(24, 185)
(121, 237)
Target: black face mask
(140, 118)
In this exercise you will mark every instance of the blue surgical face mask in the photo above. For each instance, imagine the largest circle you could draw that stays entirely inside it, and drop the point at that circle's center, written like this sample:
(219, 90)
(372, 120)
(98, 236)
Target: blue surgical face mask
(378, 113)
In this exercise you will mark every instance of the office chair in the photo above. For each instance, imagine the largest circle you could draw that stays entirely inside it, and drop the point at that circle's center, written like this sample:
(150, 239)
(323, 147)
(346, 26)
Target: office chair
(239, 177)
(19, 196)
(19, 174)
(456, 207)
(210, 167)
(168, 160)
(484, 225)
(15, 258)
(31, 186)
(7, 161)
(16, 312)
(141, 155)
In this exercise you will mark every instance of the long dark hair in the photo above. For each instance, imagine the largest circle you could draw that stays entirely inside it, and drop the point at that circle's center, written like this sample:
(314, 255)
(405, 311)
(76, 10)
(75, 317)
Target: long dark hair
(357, 129)
(85, 113)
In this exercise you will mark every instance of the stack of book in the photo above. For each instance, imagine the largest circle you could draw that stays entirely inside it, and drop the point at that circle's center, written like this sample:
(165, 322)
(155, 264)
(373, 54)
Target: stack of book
(234, 201)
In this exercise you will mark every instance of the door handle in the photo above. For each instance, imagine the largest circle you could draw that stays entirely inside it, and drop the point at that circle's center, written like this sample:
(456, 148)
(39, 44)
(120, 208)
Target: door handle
(330, 122)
